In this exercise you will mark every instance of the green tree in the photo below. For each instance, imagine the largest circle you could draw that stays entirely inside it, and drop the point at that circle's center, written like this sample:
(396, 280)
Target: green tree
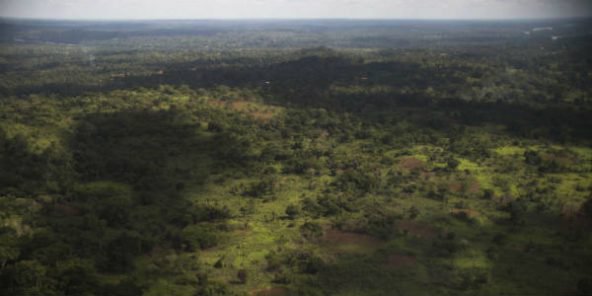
(241, 275)
(452, 164)
(311, 230)
(292, 211)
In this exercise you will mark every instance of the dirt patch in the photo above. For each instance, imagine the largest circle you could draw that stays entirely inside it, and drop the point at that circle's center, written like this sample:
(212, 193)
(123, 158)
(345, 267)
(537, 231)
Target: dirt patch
(469, 186)
(239, 105)
(417, 229)
(66, 210)
(473, 186)
(455, 187)
(338, 237)
(427, 175)
(401, 261)
(411, 163)
(273, 291)
(263, 116)
(561, 158)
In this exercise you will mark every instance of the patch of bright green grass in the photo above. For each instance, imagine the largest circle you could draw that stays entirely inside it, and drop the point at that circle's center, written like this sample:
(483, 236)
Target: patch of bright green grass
(481, 173)
(567, 189)
(472, 258)
(509, 150)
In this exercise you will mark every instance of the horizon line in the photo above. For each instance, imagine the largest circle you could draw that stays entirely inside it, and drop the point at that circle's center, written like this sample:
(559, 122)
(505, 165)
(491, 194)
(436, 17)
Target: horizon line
(292, 19)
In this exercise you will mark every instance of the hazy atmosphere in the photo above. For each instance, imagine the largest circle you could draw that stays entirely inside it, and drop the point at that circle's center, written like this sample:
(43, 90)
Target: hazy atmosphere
(188, 9)
(295, 148)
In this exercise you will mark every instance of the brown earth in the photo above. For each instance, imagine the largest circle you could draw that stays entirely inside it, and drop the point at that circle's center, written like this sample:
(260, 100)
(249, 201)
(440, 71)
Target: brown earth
(66, 210)
(470, 185)
(273, 291)
(455, 186)
(411, 163)
(417, 229)
(426, 175)
(401, 261)
(473, 186)
(335, 236)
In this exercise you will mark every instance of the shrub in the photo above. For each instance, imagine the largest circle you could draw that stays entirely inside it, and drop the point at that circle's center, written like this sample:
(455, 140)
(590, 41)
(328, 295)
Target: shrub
(200, 236)
(292, 211)
(311, 230)
(241, 275)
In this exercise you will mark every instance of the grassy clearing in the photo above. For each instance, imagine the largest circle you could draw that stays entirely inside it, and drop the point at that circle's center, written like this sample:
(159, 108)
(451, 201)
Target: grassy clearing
(510, 150)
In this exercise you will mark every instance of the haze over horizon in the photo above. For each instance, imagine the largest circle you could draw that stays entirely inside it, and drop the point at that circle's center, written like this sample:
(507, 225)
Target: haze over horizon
(294, 9)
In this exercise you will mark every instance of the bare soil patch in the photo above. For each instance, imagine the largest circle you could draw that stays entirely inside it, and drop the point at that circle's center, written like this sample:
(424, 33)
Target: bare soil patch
(455, 186)
(426, 175)
(473, 186)
(273, 291)
(263, 116)
(417, 229)
(411, 163)
(338, 237)
(66, 210)
(401, 261)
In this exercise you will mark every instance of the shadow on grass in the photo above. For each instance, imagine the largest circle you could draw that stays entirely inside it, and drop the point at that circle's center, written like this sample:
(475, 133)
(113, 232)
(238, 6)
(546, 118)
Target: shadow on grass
(306, 82)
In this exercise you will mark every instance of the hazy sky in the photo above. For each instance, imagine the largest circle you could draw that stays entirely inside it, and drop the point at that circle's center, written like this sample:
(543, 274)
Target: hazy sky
(199, 9)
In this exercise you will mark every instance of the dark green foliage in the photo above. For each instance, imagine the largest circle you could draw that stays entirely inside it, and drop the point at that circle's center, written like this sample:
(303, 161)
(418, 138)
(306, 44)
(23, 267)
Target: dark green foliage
(488, 194)
(517, 209)
(9, 246)
(120, 253)
(413, 212)
(200, 236)
(27, 277)
(584, 287)
(260, 189)
(133, 147)
(311, 231)
(76, 277)
(358, 181)
(23, 172)
(532, 158)
(274, 260)
(241, 275)
(379, 223)
(219, 263)
(327, 205)
(299, 261)
(110, 201)
(208, 212)
(452, 164)
(123, 288)
(472, 279)
(214, 289)
(292, 211)
(587, 209)
(446, 246)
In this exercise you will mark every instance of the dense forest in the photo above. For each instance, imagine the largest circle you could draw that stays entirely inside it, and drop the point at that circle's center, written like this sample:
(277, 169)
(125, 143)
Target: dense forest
(319, 157)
